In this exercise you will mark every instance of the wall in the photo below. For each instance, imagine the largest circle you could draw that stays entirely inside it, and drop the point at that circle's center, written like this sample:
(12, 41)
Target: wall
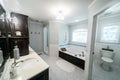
(53, 30)
(103, 21)
(63, 34)
(36, 39)
(53, 38)
(112, 19)
(115, 47)
(78, 25)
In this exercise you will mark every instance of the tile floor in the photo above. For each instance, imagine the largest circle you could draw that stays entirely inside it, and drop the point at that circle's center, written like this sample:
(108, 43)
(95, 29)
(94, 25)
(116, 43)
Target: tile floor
(100, 74)
(57, 73)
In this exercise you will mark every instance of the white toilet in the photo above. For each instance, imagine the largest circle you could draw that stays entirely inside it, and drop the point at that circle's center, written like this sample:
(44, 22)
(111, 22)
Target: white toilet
(107, 59)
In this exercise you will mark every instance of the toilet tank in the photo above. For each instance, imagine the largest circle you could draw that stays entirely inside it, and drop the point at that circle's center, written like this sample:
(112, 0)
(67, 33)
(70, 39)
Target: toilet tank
(106, 53)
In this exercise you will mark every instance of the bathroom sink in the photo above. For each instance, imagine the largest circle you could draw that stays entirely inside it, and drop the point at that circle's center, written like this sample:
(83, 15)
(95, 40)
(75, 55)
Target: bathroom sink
(26, 64)
(30, 62)
(23, 66)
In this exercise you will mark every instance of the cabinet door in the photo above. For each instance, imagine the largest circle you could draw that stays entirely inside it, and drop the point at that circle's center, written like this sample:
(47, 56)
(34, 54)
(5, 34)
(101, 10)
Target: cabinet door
(3, 46)
(19, 24)
(41, 76)
(22, 44)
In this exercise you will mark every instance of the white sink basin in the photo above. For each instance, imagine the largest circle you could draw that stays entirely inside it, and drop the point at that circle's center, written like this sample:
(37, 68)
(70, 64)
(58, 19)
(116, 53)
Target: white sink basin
(24, 66)
(28, 63)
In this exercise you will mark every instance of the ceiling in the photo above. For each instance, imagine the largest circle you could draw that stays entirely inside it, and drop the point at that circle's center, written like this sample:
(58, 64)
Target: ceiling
(45, 10)
(113, 10)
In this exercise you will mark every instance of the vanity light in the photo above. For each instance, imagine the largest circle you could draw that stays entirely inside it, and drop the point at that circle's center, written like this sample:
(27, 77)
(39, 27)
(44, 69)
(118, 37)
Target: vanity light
(2, 17)
(15, 20)
(8, 17)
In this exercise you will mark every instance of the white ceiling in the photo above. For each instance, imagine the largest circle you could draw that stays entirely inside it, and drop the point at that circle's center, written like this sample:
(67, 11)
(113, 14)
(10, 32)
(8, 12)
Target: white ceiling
(44, 10)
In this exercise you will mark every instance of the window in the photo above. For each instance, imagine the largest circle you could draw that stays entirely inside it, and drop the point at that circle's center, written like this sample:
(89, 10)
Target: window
(110, 34)
(79, 36)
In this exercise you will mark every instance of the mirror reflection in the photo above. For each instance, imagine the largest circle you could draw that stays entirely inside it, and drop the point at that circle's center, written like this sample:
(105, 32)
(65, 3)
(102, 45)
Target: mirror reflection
(3, 46)
(106, 61)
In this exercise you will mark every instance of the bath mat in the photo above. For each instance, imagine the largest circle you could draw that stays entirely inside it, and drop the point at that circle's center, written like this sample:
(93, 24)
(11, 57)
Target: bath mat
(66, 66)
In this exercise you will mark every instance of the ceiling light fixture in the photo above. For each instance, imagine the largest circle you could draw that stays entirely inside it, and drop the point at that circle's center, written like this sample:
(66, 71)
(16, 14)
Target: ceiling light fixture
(60, 15)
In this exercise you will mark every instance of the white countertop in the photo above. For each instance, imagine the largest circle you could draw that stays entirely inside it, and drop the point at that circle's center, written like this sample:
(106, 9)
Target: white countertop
(27, 71)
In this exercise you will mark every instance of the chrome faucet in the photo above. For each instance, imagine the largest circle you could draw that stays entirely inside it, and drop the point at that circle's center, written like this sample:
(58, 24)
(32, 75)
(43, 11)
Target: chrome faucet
(83, 53)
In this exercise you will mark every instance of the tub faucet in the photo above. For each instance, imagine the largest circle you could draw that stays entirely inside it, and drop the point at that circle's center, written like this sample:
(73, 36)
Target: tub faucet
(83, 53)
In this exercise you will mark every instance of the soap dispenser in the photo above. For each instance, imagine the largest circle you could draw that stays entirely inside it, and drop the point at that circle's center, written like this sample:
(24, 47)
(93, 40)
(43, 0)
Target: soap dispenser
(16, 53)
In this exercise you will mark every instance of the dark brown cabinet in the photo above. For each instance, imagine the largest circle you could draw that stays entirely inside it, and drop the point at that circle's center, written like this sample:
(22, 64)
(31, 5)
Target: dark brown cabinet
(41, 76)
(3, 32)
(74, 60)
(3, 46)
(14, 32)
(2, 27)
(18, 34)
(19, 23)
(22, 44)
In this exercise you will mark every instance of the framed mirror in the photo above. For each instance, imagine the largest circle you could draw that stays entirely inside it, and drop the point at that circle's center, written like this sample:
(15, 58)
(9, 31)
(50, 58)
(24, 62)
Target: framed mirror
(3, 39)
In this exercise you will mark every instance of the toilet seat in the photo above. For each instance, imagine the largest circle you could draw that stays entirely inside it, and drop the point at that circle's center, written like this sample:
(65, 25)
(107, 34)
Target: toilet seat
(109, 60)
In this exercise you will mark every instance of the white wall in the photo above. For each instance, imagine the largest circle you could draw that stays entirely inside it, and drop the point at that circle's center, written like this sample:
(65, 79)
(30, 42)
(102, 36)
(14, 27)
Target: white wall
(115, 47)
(103, 21)
(53, 38)
(96, 7)
(36, 39)
(54, 30)
(63, 34)
(78, 25)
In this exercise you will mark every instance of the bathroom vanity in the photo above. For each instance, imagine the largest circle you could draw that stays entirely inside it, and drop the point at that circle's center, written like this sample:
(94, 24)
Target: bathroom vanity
(14, 32)
(18, 33)
(30, 67)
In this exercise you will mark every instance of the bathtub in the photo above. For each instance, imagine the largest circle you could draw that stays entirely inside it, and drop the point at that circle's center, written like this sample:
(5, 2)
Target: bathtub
(73, 54)
(76, 51)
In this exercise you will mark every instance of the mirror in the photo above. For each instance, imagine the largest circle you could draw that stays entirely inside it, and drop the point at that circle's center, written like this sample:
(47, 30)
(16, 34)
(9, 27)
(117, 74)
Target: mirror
(3, 39)
(106, 60)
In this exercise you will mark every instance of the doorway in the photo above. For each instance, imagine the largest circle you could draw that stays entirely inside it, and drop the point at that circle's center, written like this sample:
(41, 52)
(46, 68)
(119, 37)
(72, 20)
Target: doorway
(106, 61)
(45, 29)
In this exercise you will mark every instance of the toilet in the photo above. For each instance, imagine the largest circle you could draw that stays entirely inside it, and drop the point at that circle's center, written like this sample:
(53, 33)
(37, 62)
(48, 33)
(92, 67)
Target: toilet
(107, 59)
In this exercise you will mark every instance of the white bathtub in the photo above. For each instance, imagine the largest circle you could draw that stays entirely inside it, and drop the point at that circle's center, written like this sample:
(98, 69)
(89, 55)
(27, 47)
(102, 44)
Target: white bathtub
(76, 51)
